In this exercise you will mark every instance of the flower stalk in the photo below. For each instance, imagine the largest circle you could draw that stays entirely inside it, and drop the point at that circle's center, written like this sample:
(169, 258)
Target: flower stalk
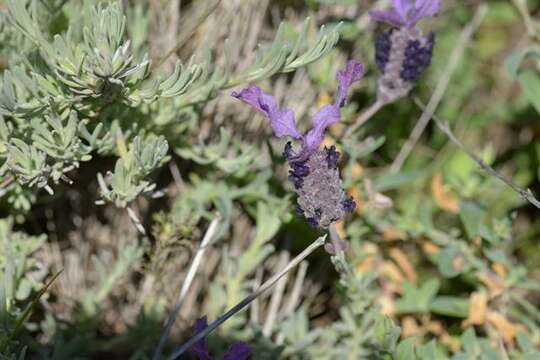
(247, 300)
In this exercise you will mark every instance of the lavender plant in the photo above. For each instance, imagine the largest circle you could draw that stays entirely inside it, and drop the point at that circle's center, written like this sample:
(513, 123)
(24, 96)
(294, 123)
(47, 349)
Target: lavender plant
(434, 260)
(314, 172)
(20, 275)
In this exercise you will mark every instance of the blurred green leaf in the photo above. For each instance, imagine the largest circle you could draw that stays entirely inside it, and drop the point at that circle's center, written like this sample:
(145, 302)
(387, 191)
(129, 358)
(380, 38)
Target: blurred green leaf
(450, 306)
(451, 262)
(530, 83)
(471, 215)
(405, 349)
(514, 60)
(417, 300)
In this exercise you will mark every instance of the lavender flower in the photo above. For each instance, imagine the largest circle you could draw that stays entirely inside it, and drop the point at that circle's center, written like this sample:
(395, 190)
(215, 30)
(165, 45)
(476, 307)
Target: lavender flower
(238, 351)
(402, 53)
(314, 172)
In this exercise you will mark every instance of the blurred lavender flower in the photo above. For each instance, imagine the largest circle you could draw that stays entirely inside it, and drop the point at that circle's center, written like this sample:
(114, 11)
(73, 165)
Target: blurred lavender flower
(402, 53)
(238, 351)
(314, 172)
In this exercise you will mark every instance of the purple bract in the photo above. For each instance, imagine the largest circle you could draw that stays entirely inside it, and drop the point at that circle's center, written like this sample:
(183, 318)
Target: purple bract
(406, 13)
(283, 123)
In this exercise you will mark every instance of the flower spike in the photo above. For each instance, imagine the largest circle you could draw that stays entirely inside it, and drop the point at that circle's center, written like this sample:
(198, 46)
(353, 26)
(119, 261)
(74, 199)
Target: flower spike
(402, 53)
(314, 172)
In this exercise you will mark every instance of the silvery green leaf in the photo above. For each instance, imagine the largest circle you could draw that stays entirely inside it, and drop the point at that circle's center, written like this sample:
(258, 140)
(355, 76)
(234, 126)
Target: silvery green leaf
(406, 349)
(279, 56)
(229, 155)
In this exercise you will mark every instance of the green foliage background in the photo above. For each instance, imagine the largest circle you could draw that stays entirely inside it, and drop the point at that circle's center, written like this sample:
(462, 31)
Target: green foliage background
(119, 144)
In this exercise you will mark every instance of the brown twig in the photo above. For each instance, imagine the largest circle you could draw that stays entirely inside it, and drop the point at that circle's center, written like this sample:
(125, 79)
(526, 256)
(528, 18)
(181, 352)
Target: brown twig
(363, 118)
(4, 184)
(136, 221)
(275, 300)
(445, 128)
(294, 297)
(254, 309)
(191, 28)
(521, 5)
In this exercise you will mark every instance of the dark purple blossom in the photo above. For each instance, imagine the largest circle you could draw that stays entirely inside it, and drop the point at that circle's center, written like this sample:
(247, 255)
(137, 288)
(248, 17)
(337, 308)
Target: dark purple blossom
(383, 45)
(349, 205)
(402, 53)
(238, 351)
(314, 172)
(332, 157)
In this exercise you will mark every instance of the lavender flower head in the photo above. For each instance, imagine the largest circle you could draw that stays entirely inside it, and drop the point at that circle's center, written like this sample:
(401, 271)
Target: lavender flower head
(238, 351)
(314, 172)
(402, 53)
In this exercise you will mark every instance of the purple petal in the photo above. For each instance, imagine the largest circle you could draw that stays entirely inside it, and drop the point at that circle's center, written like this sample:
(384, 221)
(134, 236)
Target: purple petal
(353, 72)
(422, 9)
(328, 115)
(201, 324)
(389, 16)
(200, 348)
(281, 121)
(402, 7)
(238, 351)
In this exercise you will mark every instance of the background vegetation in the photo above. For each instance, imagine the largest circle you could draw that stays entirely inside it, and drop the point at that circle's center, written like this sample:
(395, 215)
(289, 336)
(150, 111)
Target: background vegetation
(116, 160)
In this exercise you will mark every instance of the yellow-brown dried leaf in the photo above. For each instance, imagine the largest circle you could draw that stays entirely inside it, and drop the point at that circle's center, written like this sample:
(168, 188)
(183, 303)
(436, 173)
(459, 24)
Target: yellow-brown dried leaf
(500, 270)
(357, 171)
(443, 198)
(392, 234)
(410, 327)
(504, 326)
(430, 248)
(392, 272)
(403, 262)
(477, 309)
(493, 282)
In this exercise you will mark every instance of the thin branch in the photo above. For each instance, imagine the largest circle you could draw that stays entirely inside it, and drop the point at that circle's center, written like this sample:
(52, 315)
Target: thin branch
(363, 118)
(175, 172)
(297, 288)
(5, 183)
(254, 308)
(135, 219)
(275, 300)
(445, 128)
(440, 89)
(212, 229)
(191, 28)
(242, 304)
(521, 5)
(294, 298)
